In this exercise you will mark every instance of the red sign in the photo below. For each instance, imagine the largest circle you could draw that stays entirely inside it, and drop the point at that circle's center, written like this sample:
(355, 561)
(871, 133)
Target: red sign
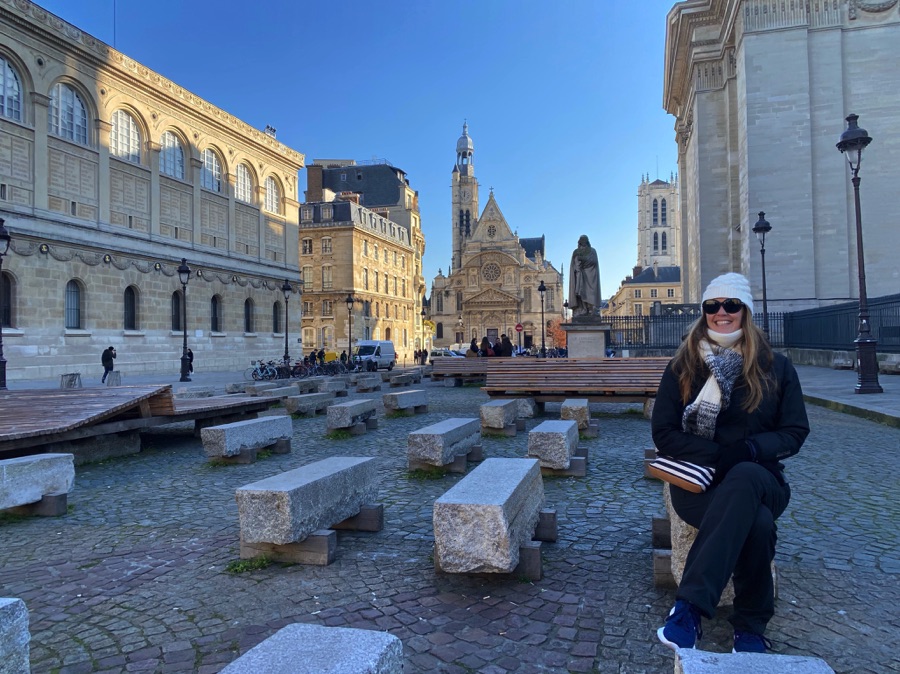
(519, 327)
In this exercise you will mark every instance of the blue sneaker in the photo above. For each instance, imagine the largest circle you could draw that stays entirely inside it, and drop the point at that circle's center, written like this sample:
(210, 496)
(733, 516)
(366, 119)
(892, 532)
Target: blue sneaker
(748, 642)
(682, 628)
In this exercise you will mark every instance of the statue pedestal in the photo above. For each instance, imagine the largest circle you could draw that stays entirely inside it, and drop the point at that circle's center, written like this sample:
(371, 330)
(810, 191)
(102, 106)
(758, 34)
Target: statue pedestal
(586, 337)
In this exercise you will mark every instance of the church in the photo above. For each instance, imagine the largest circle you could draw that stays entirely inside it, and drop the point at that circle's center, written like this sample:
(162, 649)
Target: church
(491, 286)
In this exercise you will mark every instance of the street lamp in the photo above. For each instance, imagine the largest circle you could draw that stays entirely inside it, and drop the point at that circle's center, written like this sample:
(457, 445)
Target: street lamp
(761, 228)
(852, 143)
(350, 300)
(566, 310)
(424, 348)
(4, 249)
(287, 290)
(184, 275)
(542, 289)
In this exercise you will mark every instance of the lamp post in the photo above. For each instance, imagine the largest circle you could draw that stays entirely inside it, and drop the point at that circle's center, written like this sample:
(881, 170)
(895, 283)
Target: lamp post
(852, 143)
(424, 348)
(761, 228)
(4, 249)
(184, 275)
(566, 310)
(286, 289)
(541, 290)
(350, 300)
(460, 330)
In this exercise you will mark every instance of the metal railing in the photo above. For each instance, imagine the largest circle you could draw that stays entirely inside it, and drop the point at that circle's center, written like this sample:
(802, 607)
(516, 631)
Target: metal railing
(836, 327)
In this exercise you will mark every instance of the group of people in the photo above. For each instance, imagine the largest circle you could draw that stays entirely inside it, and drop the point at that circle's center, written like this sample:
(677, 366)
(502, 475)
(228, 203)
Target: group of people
(502, 347)
(421, 356)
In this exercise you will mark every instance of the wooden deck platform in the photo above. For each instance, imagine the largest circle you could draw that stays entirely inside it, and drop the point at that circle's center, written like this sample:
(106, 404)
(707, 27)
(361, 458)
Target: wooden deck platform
(32, 418)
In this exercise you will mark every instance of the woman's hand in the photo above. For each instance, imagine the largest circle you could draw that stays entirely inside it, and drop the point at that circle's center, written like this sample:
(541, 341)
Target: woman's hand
(731, 455)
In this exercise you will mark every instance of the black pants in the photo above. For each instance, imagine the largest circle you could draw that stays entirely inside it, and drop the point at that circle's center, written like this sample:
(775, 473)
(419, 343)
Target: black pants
(106, 370)
(736, 536)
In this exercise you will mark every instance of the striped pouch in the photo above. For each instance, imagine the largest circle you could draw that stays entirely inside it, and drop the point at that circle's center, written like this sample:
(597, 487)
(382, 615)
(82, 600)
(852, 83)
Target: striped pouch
(689, 476)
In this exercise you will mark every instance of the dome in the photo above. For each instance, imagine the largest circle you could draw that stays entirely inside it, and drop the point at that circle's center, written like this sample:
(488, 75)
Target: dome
(464, 144)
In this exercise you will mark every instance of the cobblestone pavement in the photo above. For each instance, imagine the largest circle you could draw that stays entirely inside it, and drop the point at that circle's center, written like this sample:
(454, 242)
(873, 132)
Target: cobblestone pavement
(133, 579)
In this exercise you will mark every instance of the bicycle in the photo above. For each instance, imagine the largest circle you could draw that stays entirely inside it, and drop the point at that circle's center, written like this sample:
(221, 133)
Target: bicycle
(260, 371)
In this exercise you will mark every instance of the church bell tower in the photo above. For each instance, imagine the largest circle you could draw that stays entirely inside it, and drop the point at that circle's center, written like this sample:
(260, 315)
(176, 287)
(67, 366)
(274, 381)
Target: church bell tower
(464, 208)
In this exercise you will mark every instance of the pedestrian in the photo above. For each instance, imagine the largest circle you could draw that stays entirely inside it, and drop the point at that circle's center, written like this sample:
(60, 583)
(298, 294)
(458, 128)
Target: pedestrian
(321, 356)
(344, 357)
(106, 359)
(190, 355)
(728, 402)
(473, 349)
(485, 350)
(507, 346)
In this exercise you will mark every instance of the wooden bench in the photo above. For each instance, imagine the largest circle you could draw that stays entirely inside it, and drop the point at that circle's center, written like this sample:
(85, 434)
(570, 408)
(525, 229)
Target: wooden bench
(37, 484)
(415, 400)
(291, 516)
(238, 442)
(492, 521)
(356, 416)
(555, 379)
(447, 444)
(457, 371)
(555, 445)
(313, 649)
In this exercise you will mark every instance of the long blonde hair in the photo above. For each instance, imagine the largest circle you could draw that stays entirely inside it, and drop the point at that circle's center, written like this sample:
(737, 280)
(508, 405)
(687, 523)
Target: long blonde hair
(688, 363)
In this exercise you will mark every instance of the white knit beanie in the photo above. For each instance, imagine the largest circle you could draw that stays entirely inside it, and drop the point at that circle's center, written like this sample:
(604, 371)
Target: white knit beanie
(730, 285)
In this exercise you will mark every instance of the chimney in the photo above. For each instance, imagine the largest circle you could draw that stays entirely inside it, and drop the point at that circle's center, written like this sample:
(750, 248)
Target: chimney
(637, 270)
(313, 182)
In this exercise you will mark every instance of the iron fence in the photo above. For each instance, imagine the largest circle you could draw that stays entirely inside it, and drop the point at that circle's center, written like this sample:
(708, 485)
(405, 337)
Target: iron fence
(836, 327)
(662, 334)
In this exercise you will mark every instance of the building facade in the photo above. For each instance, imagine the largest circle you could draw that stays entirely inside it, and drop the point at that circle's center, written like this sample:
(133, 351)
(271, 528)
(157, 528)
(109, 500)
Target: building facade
(759, 91)
(382, 258)
(491, 284)
(110, 174)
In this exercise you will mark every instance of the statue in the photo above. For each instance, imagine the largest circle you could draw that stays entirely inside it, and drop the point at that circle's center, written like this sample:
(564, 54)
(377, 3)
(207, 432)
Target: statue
(584, 280)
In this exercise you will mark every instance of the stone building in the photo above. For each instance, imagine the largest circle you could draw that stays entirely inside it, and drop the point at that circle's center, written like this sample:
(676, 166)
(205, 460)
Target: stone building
(110, 174)
(383, 257)
(491, 284)
(760, 90)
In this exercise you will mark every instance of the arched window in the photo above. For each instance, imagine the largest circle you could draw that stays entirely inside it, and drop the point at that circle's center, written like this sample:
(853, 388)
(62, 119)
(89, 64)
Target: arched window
(655, 242)
(276, 317)
(73, 305)
(243, 184)
(387, 333)
(211, 172)
(10, 91)
(663, 213)
(131, 308)
(440, 303)
(176, 310)
(273, 196)
(439, 331)
(215, 314)
(248, 315)
(171, 156)
(655, 212)
(125, 137)
(7, 296)
(67, 116)
(664, 242)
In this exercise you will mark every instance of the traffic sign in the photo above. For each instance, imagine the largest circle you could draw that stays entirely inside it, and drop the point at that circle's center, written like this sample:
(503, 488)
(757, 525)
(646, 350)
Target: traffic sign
(519, 327)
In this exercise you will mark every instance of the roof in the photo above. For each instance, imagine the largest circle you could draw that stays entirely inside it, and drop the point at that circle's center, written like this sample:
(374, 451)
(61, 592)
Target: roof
(662, 275)
(533, 245)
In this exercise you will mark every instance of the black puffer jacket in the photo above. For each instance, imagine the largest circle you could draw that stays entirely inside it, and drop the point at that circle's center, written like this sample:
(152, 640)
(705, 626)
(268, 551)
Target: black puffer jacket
(777, 427)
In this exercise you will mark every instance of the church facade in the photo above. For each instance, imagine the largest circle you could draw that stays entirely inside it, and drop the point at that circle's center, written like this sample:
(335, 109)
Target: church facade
(493, 279)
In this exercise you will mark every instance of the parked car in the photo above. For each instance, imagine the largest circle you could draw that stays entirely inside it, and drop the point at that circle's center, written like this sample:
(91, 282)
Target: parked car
(442, 353)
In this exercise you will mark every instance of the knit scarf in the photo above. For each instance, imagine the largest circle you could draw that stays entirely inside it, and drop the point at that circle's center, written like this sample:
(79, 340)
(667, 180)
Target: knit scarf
(725, 364)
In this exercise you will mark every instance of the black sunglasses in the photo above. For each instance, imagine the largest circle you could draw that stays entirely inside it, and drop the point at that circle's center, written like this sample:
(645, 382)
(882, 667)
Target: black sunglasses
(732, 306)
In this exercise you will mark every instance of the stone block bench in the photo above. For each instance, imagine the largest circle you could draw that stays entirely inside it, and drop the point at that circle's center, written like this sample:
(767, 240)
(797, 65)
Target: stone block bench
(527, 408)
(890, 365)
(337, 387)
(313, 649)
(356, 416)
(238, 442)
(37, 485)
(282, 391)
(691, 661)
(555, 445)
(415, 400)
(447, 444)
(291, 517)
(578, 410)
(70, 380)
(308, 404)
(14, 637)
(399, 380)
(488, 521)
(257, 387)
(309, 384)
(501, 417)
(367, 383)
(194, 392)
(236, 387)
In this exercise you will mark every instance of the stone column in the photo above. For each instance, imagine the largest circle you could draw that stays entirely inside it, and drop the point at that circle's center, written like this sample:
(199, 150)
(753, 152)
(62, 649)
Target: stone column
(41, 168)
(103, 187)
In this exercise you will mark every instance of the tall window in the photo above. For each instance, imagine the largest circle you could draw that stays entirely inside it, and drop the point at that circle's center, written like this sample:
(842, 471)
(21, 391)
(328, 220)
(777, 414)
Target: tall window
(327, 308)
(326, 278)
(439, 331)
(131, 306)
(307, 246)
(171, 156)
(307, 308)
(243, 185)
(365, 248)
(459, 301)
(125, 137)
(655, 242)
(307, 278)
(365, 279)
(6, 297)
(276, 317)
(662, 208)
(215, 314)
(211, 171)
(326, 244)
(655, 212)
(248, 315)
(637, 293)
(176, 310)
(654, 293)
(440, 303)
(67, 116)
(73, 305)
(664, 242)
(376, 280)
(273, 196)
(10, 91)
(386, 280)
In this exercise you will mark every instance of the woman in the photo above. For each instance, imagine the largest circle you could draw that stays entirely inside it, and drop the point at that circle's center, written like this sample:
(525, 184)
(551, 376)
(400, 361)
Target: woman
(485, 349)
(727, 401)
(473, 349)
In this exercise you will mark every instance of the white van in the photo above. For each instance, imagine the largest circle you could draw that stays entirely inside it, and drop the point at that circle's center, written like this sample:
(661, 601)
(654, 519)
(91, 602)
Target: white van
(375, 354)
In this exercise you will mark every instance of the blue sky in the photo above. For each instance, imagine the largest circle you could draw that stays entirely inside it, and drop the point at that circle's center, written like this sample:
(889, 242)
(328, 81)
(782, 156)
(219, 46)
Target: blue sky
(563, 99)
